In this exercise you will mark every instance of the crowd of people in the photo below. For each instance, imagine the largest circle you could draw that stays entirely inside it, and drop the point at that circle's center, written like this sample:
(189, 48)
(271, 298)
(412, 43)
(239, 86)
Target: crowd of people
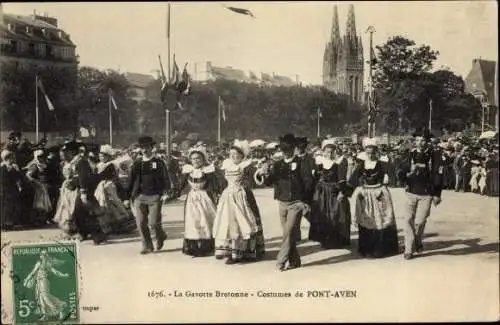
(96, 192)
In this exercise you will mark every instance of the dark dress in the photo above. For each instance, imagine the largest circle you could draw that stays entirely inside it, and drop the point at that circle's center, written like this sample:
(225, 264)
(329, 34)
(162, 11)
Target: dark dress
(374, 213)
(10, 199)
(330, 219)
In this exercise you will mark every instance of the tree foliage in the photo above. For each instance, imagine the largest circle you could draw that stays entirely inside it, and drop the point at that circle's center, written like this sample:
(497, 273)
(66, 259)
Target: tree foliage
(18, 98)
(406, 87)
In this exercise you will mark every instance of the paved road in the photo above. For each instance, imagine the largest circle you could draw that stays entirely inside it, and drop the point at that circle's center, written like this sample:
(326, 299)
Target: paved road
(455, 279)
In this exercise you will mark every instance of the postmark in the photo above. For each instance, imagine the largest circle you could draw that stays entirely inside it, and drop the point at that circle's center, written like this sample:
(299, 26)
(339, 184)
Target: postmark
(45, 281)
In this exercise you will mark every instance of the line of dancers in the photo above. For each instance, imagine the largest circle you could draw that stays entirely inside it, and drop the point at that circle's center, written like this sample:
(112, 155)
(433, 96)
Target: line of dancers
(221, 215)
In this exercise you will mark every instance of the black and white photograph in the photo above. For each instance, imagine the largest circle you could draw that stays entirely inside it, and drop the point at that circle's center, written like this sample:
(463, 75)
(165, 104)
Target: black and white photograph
(249, 162)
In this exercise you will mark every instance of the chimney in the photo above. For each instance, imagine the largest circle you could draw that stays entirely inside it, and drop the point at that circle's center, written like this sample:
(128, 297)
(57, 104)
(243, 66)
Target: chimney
(34, 14)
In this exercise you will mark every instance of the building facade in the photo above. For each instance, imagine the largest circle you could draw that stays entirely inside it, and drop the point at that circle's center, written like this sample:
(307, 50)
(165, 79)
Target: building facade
(36, 42)
(139, 85)
(343, 64)
(482, 83)
(206, 71)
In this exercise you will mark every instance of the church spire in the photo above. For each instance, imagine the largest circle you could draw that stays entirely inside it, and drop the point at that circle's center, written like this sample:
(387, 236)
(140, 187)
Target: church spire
(335, 25)
(351, 23)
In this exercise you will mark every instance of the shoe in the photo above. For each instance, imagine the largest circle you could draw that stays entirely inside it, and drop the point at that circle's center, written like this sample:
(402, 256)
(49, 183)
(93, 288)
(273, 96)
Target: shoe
(419, 248)
(231, 261)
(291, 267)
(100, 239)
(408, 256)
(282, 268)
(160, 242)
(146, 251)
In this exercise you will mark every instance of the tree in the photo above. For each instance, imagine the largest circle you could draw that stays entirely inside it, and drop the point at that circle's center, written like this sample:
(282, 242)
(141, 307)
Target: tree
(18, 97)
(399, 59)
(399, 79)
(93, 93)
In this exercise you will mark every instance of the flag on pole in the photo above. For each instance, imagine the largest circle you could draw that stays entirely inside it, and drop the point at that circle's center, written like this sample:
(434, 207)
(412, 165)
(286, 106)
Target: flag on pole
(47, 100)
(175, 77)
(112, 98)
(184, 85)
(164, 82)
(222, 109)
(320, 114)
(240, 11)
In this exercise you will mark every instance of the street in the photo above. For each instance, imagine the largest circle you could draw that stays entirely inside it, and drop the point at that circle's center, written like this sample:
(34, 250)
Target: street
(456, 278)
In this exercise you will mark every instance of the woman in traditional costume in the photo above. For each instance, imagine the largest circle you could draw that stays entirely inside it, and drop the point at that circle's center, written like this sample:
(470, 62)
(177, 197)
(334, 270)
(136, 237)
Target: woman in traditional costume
(475, 175)
(330, 210)
(373, 213)
(36, 172)
(10, 199)
(67, 199)
(199, 207)
(115, 218)
(238, 228)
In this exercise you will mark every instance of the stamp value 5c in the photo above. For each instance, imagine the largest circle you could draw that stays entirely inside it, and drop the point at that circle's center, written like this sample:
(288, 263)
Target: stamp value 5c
(45, 283)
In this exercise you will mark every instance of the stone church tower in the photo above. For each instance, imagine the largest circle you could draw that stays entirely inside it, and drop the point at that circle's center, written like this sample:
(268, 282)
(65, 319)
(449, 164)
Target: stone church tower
(343, 63)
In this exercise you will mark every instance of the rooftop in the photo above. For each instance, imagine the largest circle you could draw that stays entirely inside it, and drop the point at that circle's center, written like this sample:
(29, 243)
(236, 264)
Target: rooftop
(14, 27)
(482, 78)
(229, 73)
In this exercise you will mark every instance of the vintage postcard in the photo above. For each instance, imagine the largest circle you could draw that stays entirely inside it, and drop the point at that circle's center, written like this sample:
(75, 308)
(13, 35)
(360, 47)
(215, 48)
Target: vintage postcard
(249, 162)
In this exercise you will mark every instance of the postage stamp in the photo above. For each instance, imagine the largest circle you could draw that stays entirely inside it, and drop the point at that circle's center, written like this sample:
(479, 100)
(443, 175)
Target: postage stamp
(45, 283)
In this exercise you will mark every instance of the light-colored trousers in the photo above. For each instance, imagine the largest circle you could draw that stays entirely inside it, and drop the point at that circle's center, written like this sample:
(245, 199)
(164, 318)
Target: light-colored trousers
(418, 209)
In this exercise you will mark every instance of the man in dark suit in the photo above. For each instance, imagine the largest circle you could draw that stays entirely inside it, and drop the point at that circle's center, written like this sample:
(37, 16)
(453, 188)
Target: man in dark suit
(289, 183)
(148, 187)
(423, 178)
(308, 165)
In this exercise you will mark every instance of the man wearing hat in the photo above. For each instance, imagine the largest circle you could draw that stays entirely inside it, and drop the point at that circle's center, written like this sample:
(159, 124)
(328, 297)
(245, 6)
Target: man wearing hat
(289, 181)
(308, 165)
(423, 178)
(148, 187)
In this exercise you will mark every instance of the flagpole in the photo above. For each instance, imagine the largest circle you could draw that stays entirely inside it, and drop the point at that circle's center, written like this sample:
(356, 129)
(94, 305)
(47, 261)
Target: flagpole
(218, 121)
(319, 131)
(110, 119)
(36, 108)
(168, 131)
(430, 115)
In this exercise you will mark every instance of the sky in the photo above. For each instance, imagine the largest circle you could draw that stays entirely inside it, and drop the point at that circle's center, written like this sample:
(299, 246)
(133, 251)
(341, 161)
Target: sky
(287, 38)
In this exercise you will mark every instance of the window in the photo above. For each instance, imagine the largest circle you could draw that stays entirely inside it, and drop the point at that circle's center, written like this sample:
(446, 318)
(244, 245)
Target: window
(13, 46)
(31, 48)
(48, 50)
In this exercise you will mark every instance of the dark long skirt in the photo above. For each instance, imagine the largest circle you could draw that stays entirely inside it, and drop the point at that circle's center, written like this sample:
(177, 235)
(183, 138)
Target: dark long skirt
(378, 242)
(86, 220)
(258, 239)
(330, 219)
(492, 182)
(198, 247)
